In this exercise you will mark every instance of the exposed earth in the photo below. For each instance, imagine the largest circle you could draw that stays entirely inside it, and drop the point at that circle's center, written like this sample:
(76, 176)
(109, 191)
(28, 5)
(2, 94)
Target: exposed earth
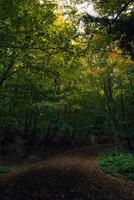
(72, 175)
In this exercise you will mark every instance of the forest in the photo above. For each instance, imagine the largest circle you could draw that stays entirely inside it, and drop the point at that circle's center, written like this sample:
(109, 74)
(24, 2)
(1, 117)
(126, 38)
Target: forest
(66, 92)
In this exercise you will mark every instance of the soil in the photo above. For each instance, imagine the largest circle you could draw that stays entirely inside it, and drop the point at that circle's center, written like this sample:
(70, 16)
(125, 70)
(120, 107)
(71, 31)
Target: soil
(72, 175)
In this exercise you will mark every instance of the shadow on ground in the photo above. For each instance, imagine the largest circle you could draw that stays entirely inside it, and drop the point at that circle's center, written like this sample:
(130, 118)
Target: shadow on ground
(69, 176)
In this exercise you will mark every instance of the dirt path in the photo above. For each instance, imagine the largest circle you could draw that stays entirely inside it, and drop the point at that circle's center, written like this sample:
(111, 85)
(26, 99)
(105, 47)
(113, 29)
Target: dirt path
(69, 176)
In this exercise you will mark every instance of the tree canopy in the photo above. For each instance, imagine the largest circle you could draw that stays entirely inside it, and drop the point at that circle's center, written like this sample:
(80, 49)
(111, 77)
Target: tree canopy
(66, 75)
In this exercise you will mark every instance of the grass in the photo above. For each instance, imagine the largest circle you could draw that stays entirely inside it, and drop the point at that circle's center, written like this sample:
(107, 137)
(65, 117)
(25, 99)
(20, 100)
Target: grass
(118, 164)
(5, 169)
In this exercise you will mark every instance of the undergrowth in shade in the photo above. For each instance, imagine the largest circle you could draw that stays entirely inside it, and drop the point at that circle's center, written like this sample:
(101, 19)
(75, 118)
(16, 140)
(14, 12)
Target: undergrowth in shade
(118, 164)
(5, 169)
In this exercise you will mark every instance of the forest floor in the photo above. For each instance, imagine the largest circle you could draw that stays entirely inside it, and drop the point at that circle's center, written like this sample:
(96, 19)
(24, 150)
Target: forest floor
(72, 175)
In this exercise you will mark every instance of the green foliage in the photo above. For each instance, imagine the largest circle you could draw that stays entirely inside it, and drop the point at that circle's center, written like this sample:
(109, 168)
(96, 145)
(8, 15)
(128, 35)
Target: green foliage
(118, 164)
(4, 169)
(57, 80)
(115, 19)
(109, 7)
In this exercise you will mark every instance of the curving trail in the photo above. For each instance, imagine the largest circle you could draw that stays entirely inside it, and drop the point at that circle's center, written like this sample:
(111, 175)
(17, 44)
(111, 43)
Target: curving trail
(70, 176)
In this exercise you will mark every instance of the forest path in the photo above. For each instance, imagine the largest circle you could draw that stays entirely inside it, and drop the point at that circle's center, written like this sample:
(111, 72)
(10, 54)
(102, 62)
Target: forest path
(69, 176)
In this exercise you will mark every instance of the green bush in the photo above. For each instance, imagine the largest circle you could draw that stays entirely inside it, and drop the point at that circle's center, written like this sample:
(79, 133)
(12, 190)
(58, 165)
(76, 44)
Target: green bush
(118, 164)
(4, 169)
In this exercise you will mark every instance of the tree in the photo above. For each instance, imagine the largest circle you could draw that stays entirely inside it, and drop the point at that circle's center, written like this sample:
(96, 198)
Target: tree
(22, 33)
(116, 18)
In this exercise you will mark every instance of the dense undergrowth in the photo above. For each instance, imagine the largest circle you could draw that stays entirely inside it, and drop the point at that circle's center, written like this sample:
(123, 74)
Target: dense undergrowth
(119, 164)
(5, 169)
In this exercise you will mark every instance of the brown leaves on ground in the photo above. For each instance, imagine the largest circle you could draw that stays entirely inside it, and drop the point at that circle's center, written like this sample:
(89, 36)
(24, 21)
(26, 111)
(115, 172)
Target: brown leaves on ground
(69, 176)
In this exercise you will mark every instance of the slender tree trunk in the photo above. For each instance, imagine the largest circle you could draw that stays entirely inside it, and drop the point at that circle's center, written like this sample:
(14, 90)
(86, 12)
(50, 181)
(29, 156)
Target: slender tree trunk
(124, 120)
(112, 108)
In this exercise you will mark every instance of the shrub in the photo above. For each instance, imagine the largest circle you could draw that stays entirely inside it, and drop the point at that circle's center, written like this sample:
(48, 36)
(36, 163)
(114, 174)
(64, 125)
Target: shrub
(118, 164)
(4, 169)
